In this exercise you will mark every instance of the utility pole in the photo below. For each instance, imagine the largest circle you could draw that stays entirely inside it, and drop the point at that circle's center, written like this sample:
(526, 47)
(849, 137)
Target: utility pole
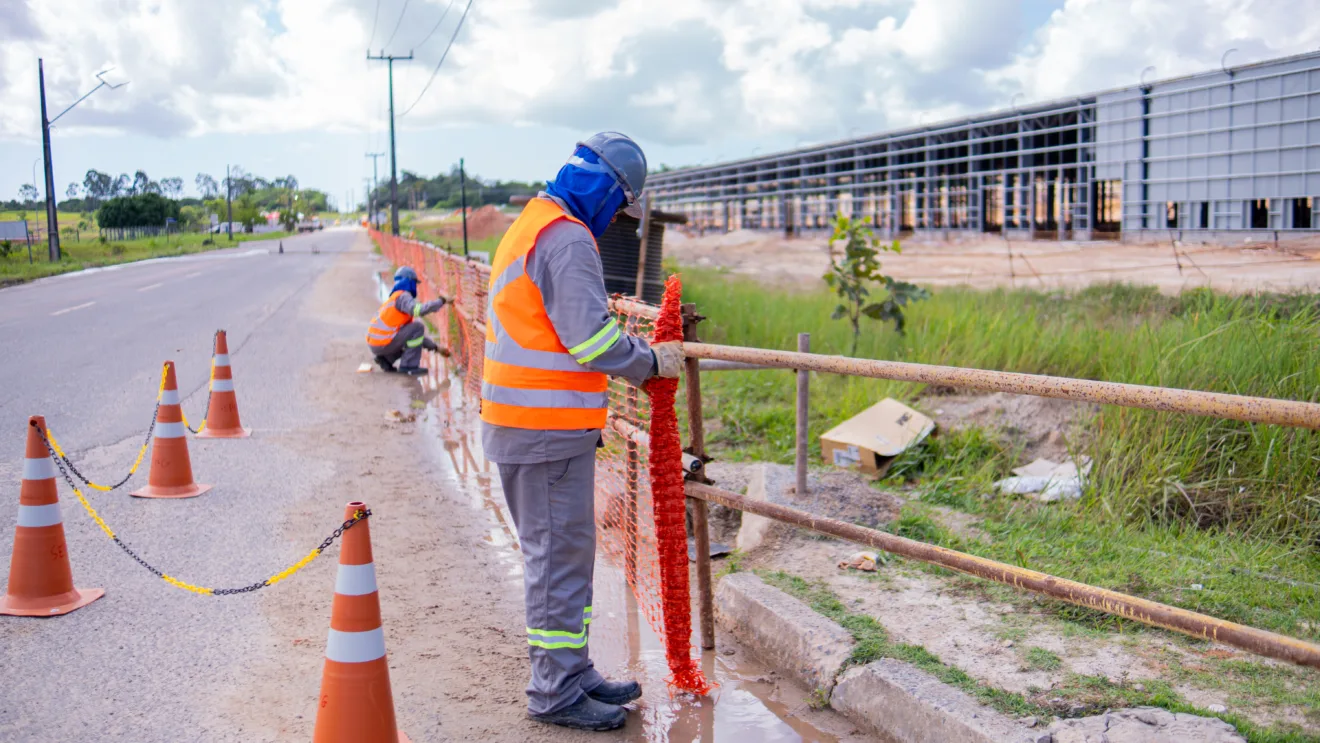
(52, 214)
(394, 169)
(462, 195)
(374, 184)
(229, 205)
(52, 219)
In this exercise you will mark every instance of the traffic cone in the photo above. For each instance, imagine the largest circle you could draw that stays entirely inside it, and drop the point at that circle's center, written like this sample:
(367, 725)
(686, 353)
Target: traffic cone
(222, 414)
(356, 705)
(40, 579)
(171, 470)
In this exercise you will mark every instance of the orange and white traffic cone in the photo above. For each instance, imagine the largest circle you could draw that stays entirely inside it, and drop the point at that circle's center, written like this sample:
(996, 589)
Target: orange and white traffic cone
(171, 473)
(356, 705)
(40, 579)
(222, 413)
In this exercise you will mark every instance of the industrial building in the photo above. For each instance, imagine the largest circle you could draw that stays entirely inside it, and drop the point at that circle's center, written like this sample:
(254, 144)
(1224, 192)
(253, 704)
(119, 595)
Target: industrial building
(1236, 149)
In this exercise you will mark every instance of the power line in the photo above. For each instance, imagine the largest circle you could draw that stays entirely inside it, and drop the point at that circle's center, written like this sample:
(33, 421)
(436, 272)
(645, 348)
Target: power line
(402, 13)
(436, 71)
(436, 27)
(374, 20)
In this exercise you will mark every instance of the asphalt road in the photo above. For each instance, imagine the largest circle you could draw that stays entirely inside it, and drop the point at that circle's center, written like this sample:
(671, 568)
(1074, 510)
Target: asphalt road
(147, 662)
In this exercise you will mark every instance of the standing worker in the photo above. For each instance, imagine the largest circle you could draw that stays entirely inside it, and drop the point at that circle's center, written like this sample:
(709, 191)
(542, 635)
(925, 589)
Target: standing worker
(550, 342)
(397, 333)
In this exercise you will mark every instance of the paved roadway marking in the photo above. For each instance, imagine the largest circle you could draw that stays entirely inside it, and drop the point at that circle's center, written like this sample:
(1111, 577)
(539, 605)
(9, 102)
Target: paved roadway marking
(193, 274)
(149, 287)
(71, 309)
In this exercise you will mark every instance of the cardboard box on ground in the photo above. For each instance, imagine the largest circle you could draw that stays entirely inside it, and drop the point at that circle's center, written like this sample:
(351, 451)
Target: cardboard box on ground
(872, 439)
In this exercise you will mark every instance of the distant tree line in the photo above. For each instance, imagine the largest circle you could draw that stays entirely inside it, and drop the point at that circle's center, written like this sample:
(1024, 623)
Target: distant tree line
(443, 191)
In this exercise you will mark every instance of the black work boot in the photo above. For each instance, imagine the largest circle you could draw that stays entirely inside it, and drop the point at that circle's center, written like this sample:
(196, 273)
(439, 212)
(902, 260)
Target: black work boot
(415, 371)
(586, 714)
(384, 364)
(616, 692)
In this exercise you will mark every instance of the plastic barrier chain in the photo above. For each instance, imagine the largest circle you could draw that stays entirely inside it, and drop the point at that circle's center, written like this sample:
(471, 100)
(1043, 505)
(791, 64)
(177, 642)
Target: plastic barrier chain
(56, 451)
(276, 578)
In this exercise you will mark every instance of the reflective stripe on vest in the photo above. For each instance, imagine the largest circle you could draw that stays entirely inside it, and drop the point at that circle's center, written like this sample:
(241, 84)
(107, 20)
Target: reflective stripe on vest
(388, 321)
(529, 378)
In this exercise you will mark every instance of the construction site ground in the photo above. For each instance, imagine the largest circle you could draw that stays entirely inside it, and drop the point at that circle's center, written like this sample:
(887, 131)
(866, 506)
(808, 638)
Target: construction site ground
(149, 663)
(1240, 265)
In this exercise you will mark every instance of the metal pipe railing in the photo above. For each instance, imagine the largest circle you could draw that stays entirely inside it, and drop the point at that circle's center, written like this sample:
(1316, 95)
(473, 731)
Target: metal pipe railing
(1253, 640)
(1215, 404)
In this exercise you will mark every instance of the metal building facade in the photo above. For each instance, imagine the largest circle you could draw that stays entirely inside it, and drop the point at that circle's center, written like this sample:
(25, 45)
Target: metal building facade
(1234, 149)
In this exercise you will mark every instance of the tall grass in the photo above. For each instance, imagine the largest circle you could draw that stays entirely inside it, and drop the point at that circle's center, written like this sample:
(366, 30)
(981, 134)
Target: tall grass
(1248, 479)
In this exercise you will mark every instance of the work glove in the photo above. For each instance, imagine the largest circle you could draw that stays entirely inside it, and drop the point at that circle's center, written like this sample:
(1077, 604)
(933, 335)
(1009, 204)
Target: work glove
(668, 358)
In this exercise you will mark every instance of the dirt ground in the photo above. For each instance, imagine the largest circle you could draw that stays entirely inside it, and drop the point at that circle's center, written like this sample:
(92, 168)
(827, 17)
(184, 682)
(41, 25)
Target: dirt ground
(1292, 265)
(451, 579)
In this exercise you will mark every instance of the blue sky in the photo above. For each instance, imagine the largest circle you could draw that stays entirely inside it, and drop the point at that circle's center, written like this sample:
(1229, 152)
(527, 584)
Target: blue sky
(282, 86)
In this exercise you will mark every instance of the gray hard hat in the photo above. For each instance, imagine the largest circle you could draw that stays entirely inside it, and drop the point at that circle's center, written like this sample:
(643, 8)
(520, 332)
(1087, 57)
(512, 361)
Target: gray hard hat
(405, 272)
(624, 157)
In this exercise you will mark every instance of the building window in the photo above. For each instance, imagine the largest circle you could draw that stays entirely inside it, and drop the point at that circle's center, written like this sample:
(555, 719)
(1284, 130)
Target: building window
(1171, 214)
(1109, 206)
(1205, 215)
(1301, 213)
(1260, 214)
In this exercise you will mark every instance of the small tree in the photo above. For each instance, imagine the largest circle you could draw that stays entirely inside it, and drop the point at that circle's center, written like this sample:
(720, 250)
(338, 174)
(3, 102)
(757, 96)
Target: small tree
(852, 273)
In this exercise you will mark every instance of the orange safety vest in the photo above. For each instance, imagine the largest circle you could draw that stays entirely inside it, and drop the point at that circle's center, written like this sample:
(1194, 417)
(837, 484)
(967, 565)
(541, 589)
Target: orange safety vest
(387, 323)
(529, 379)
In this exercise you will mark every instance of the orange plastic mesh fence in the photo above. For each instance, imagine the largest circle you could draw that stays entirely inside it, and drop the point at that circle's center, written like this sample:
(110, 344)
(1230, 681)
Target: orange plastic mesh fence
(625, 509)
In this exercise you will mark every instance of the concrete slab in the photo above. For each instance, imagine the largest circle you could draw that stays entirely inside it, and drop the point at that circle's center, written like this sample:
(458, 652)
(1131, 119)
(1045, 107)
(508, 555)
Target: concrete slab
(783, 631)
(1144, 725)
(901, 702)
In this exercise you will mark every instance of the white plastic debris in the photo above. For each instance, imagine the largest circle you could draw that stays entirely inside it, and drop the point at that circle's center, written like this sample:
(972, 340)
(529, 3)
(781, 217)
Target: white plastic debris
(1048, 481)
(861, 561)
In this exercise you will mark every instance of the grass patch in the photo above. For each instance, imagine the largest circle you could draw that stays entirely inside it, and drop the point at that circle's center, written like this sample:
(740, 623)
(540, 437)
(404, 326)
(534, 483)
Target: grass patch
(91, 253)
(1040, 659)
(1150, 467)
(1077, 695)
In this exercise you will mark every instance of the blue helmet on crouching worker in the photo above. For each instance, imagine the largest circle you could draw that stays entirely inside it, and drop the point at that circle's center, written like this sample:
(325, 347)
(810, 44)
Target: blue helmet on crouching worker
(606, 173)
(405, 279)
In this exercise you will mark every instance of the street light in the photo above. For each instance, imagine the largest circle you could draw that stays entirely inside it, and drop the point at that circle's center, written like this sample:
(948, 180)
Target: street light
(52, 218)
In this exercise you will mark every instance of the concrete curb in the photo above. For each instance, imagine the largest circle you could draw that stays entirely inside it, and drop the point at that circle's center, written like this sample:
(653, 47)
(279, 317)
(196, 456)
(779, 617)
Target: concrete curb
(782, 630)
(887, 697)
(898, 700)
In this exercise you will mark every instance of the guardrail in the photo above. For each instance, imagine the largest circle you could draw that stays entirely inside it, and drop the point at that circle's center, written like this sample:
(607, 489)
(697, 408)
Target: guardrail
(1193, 402)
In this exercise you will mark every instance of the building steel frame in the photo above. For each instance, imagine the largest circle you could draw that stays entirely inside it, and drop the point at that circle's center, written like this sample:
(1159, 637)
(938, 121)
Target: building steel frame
(1229, 150)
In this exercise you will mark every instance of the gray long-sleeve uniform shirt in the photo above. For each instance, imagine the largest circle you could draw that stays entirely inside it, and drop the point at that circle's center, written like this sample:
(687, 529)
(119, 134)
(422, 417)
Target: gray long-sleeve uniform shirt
(407, 304)
(565, 266)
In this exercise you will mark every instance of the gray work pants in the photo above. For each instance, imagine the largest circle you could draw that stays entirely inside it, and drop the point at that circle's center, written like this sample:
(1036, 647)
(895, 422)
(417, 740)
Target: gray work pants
(553, 506)
(406, 345)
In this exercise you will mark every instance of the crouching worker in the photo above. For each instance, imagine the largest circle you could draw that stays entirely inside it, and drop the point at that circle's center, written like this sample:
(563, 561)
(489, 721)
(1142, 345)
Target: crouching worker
(398, 333)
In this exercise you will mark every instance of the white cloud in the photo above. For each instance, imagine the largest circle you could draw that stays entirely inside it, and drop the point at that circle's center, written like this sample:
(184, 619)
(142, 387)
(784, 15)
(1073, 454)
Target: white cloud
(725, 74)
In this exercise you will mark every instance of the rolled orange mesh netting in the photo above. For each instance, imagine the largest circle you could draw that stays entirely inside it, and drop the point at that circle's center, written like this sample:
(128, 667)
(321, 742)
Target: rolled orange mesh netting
(639, 480)
(669, 505)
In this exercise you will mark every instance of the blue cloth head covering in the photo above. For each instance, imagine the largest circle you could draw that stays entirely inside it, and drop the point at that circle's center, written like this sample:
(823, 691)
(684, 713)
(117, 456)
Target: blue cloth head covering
(405, 284)
(589, 189)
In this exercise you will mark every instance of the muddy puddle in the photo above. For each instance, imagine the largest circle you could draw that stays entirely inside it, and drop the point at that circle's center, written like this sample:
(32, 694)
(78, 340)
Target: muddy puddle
(751, 703)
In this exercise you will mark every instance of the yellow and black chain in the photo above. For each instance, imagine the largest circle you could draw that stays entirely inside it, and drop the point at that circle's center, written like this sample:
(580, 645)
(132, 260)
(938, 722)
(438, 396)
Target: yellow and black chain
(54, 445)
(215, 340)
(360, 515)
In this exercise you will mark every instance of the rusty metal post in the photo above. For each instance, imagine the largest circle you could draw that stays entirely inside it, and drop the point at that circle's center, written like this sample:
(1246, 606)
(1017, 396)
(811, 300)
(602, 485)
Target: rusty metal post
(1253, 640)
(700, 515)
(803, 392)
(1194, 402)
